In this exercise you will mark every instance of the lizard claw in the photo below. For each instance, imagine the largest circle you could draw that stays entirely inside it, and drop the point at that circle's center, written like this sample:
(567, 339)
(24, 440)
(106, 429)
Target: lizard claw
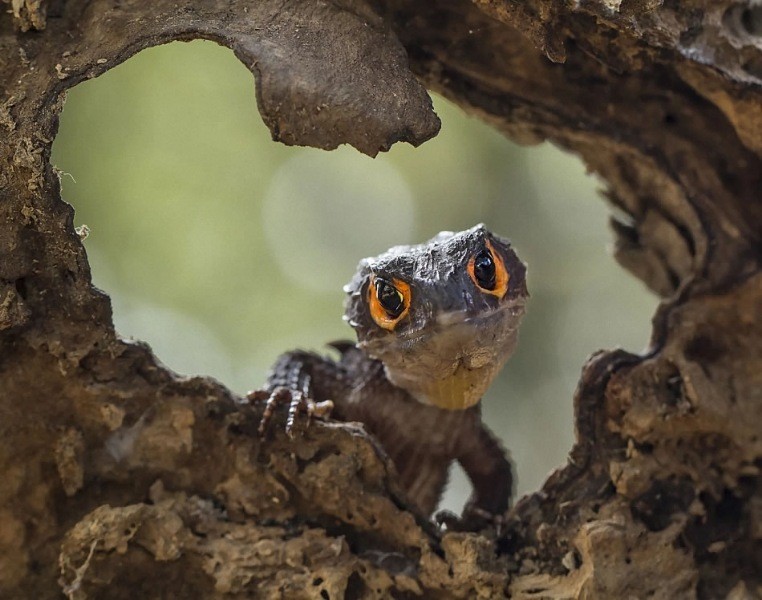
(297, 403)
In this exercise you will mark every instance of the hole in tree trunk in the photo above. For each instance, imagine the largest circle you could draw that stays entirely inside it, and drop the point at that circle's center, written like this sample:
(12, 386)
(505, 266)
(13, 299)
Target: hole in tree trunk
(223, 249)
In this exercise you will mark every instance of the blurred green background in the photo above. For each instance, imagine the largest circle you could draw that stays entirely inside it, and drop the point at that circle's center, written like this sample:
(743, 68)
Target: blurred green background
(223, 249)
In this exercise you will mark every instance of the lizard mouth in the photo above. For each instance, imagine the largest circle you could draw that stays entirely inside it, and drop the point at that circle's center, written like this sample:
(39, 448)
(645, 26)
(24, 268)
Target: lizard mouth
(451, 362)
(509, 310)
(515, 308)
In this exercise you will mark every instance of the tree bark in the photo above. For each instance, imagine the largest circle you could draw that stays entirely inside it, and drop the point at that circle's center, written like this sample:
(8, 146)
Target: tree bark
(120, 478)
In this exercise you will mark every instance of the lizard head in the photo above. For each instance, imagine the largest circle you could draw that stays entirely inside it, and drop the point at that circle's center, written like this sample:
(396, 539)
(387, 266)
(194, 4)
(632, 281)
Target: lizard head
(441, 316)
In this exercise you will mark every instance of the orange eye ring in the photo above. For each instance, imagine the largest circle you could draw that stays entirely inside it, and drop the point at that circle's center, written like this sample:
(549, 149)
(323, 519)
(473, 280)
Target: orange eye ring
(389, 301)
(491, 276)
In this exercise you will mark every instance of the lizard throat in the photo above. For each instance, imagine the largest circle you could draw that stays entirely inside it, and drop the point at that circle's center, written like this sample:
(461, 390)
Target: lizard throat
(452, 364)
(460, 391)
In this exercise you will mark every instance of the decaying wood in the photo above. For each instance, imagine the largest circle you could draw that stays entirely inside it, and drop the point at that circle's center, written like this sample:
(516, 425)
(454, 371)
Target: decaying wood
(121, 479)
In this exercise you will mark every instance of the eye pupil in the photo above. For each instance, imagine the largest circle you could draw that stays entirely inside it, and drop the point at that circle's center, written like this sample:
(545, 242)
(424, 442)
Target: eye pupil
(390, 297)
(484, 270)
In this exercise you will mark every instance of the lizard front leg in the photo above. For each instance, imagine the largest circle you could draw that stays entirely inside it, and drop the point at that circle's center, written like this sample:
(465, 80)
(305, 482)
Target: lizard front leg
(486, 463)
(292, 382)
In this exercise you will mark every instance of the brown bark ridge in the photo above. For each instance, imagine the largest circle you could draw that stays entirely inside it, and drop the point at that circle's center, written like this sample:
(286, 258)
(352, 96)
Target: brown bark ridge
(121, 479)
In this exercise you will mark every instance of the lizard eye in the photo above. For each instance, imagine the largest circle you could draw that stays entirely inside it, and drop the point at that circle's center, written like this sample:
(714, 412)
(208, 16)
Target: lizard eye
(488, 272)
(389, 301)
(484, 270)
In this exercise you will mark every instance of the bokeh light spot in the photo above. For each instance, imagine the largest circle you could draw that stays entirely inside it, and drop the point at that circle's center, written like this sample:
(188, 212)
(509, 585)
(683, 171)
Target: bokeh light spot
(325, 211)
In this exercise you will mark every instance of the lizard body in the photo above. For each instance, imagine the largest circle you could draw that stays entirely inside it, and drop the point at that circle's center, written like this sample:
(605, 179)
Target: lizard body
(435, 323)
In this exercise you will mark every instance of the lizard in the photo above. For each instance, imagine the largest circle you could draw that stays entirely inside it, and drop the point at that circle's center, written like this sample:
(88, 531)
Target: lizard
(435, 323)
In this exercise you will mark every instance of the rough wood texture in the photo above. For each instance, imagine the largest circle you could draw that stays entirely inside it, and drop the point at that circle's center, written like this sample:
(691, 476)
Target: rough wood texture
(120, 479)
